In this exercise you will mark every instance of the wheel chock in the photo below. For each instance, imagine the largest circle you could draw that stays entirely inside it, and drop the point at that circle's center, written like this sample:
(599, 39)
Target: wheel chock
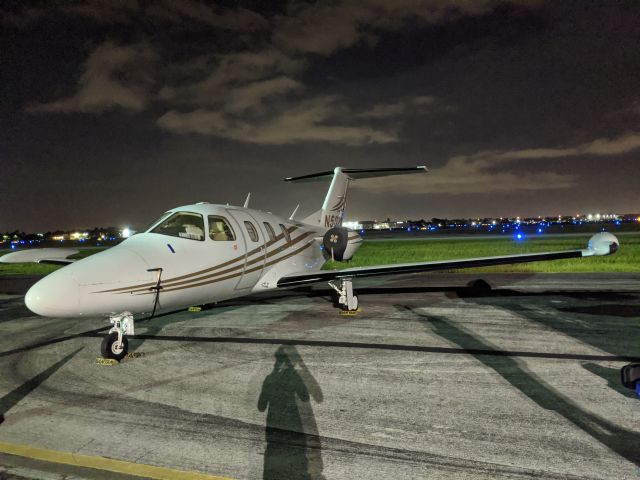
(107, 362)
(195, 309)
(350, 313)
(132, 355)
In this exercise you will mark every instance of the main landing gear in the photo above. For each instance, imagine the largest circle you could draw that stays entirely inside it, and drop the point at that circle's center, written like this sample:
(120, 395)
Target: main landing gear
(631, 377)
(115, 344)
(346, 299)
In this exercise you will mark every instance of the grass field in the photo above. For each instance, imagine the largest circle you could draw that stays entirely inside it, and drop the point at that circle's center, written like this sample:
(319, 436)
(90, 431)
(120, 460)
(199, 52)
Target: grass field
(627, 259)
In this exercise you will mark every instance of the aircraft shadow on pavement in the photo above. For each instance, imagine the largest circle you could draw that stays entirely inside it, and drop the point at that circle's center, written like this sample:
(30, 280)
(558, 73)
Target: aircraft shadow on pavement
(16, 395)
(13, 309)
(624, 442)
(612, 376)
(293, 447)
(611, 327)
(609, 310)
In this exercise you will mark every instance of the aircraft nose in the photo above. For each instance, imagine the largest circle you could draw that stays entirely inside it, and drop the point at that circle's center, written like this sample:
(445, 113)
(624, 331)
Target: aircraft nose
(56, 295)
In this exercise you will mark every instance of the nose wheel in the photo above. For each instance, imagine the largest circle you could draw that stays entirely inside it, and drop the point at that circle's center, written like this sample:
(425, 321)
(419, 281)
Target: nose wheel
(115, 344)
(112, 348)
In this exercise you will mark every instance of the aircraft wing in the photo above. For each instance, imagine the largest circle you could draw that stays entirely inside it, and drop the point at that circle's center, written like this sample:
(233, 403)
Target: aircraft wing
(57, 256)
(600, 244)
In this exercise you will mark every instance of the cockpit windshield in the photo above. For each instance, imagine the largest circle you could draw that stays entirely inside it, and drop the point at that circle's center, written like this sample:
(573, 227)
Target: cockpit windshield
(184, 225)
(156, 220)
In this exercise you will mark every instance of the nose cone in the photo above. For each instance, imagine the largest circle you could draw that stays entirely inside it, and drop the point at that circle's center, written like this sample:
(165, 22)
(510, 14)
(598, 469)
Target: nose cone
(56, 295)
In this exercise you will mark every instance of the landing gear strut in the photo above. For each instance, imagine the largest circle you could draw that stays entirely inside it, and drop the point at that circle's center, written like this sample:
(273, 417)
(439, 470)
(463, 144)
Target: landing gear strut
(346, 299)
(115, 344)
(631, 377)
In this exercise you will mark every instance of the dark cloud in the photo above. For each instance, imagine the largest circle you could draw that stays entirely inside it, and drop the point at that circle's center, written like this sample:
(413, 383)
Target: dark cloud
(128, 12)
(510, 103)
(496, 171)
(302, 121)
(114, 77)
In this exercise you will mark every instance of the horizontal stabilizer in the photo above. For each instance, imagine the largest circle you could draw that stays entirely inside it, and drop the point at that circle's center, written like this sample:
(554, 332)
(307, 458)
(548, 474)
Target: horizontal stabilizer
(356, 173)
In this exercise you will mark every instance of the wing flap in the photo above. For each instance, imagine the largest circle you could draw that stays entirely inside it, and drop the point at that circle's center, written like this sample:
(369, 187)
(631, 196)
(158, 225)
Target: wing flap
(396, 269)
(56, 261)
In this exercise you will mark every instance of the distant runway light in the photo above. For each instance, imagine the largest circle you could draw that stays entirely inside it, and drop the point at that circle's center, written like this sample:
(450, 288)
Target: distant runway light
(126, 233)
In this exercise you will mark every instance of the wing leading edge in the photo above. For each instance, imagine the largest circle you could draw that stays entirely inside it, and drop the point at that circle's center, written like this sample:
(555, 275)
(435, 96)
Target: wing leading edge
(600, 244)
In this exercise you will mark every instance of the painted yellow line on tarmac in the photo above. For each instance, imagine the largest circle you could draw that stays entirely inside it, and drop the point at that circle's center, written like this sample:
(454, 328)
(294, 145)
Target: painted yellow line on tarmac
(102, 463)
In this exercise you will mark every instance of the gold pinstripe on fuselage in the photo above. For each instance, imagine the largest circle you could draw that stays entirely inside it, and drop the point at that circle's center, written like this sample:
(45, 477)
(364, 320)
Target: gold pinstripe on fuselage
(206, 270)
(228, 277)
(240, 266)
(214, 274)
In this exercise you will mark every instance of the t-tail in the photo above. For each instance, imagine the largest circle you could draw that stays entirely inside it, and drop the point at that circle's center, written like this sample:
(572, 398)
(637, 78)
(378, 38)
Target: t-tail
(332, 212)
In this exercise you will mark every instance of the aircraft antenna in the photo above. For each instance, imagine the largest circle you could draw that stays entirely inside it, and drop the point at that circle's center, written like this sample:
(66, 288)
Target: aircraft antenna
(246, 202)
(294, 212)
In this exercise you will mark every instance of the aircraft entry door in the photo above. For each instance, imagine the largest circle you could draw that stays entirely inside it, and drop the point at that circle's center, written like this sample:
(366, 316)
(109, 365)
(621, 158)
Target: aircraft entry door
(248, 229)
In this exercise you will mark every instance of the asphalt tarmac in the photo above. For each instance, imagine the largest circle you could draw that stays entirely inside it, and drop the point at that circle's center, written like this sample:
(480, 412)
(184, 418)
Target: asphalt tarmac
(430, 380)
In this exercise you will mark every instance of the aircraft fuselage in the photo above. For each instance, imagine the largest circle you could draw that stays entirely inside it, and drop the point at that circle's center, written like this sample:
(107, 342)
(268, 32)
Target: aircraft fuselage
(234, 252)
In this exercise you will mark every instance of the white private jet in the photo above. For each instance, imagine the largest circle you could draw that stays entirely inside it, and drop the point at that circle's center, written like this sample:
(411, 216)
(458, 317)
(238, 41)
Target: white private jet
(205, 253)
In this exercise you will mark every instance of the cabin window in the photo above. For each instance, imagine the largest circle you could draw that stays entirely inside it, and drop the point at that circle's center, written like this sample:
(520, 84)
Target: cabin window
(253, 233)
(285, 232)
(220, 230)
(270, 232)
(184, 225)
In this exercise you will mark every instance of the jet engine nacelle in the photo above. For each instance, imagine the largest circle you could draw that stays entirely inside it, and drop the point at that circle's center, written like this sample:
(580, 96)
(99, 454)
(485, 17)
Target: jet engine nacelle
(340, 243)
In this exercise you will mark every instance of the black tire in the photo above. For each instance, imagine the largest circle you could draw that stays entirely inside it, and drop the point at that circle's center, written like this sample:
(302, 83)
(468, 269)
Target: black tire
(477, 288)
(107, 348)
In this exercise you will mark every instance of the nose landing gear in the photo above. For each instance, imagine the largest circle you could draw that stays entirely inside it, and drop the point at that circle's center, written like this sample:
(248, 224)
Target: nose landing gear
(631, 377)
(115, 344)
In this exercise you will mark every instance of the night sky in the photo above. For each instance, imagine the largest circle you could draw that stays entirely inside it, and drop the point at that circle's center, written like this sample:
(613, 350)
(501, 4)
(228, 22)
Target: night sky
(113, 112)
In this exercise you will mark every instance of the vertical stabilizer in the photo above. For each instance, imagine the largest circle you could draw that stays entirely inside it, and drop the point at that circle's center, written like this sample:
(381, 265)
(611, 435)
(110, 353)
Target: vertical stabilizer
(332, 211)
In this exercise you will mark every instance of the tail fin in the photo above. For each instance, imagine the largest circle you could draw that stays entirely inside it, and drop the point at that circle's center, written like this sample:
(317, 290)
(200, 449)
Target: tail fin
(332, 211)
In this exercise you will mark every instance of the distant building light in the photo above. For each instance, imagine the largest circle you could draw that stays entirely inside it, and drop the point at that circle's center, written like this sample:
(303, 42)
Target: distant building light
(352, 225)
